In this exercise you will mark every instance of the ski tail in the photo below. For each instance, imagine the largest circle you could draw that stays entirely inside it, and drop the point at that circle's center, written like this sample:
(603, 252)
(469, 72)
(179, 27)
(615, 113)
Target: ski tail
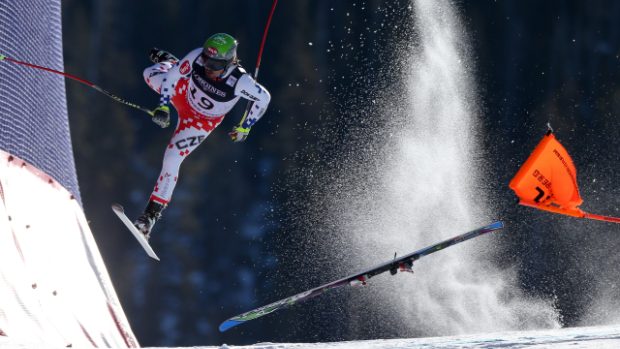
(228, 324)
(283, 303)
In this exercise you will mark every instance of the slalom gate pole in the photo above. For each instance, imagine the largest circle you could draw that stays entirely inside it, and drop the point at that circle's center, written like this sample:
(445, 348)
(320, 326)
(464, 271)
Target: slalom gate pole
(258, 59)
(602, 218)
(80, 80)
(577, 213)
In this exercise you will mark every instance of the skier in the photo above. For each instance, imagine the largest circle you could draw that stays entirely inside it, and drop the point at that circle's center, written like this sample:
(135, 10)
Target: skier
(203, 87)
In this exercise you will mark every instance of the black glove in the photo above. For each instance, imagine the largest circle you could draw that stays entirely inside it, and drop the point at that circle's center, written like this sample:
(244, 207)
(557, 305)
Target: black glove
(161, 116)
(157, 56)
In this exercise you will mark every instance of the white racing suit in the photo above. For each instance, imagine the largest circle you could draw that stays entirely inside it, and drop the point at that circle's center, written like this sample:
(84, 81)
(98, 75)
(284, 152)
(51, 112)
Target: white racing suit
(201, 105)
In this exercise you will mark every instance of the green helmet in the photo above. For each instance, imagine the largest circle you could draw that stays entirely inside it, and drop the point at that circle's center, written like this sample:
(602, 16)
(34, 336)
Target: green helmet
(219, 51)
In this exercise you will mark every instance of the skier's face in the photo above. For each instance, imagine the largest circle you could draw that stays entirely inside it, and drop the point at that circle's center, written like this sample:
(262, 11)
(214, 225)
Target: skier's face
(213, 74)
(214, 67)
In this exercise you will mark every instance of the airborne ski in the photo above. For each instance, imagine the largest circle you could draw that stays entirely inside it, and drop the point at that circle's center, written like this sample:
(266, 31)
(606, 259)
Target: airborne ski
(120, 212)
(403, 263)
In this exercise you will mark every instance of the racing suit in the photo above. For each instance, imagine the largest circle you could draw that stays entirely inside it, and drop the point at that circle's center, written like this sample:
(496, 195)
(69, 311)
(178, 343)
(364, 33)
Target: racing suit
(201, 105)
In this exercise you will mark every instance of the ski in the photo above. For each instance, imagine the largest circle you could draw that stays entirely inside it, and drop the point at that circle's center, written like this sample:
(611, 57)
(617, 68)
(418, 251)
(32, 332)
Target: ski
(404, 263)
(120, 212)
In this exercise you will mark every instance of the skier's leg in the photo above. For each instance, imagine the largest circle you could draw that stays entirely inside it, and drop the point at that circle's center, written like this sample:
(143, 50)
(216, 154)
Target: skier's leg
(192, 129)
(183, 142)
(187, 137)
(189, 134)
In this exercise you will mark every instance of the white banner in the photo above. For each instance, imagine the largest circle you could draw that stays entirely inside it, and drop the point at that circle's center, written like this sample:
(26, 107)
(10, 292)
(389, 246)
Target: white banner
(54, 287)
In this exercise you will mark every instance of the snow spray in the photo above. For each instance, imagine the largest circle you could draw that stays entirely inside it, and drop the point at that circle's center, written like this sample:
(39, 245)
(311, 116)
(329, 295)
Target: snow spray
(427, 189)
(401, 168)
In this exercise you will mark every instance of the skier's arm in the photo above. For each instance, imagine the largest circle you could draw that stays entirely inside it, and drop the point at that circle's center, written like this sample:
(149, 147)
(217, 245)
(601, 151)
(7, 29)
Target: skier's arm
(258, 96)
(161, 114)
(182, 68)
(259, 99)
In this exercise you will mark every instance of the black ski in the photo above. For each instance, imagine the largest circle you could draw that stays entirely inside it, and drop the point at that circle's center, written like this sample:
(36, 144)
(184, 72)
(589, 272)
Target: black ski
(403, 263)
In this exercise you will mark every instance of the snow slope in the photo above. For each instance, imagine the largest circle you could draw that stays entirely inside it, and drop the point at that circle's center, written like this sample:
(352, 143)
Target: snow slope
(574, 338)
(599, 337)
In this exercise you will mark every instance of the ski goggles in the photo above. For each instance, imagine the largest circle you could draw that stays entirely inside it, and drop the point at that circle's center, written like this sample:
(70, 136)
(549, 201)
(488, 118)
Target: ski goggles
(215, 64)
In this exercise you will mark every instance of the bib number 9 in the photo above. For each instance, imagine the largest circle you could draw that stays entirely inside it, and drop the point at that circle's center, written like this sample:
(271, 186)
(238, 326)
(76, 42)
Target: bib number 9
(203, 101)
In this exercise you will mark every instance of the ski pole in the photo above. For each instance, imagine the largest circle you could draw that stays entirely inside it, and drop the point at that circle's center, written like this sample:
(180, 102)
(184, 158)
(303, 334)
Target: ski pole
(83, 81)
(258, 59)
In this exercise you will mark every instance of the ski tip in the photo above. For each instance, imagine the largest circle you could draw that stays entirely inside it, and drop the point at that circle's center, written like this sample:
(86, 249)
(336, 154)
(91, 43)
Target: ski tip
(496, 225)
(117, 207)
(228, 324)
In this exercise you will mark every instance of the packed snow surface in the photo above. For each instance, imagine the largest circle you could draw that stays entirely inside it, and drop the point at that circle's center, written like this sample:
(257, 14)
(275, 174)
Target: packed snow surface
(574, 338)
(603, 337)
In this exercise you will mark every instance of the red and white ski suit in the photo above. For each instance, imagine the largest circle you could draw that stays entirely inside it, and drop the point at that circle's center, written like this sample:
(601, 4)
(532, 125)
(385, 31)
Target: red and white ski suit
(201, 105)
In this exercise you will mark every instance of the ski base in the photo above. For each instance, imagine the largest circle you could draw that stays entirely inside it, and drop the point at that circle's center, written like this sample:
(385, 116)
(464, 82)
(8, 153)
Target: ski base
(120, 212)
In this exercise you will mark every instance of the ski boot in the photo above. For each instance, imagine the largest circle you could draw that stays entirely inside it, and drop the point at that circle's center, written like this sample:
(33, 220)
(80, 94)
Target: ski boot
(157, 56)
(145, 222)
